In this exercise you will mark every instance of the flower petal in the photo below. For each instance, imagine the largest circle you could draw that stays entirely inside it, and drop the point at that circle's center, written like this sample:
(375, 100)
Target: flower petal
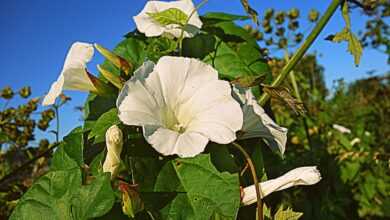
(73, 75)
(168, 142)
(295, 177)
(145, 24)
(136, 106)
(258, 124)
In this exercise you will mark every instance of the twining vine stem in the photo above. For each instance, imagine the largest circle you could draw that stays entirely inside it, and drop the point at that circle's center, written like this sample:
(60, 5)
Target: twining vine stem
(255, 180)
(302, 50)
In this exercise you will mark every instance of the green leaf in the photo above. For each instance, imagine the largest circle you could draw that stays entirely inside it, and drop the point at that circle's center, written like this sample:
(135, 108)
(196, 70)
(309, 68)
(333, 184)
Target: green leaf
(96, 165)
(191, 175)
(95, 106)
(104, 122)
(224, 16)
(198, 46)
(354, 46)
(287, 214)
(133, 50)
(70, 153)
(158, 47)
(170, 16)
(241, 60)
(60, 195)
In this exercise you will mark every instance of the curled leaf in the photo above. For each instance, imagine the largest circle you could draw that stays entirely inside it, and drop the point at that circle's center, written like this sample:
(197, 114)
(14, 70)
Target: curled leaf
(283, 94)
(250, 11)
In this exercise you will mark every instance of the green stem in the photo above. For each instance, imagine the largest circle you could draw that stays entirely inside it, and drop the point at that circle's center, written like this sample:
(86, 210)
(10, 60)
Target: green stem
(255, 180)
(57, 123)
(292, 77)
(305, 46)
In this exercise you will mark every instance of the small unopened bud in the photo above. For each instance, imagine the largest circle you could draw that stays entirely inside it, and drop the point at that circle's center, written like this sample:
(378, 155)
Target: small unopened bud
(295, 177)
(131, 200)
(118, 61)
(114, 143)
(111, 77)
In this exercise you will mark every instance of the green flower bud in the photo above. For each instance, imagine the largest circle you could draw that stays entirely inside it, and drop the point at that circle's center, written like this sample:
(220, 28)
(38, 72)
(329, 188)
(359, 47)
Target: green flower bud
(280, 31)
(118, 61)
(25, 92)
(313, 15)
(298, 38)
(282, 43)
(268, 29)
(293, 25)
(279, 17)
(116, 80)
(269, 13)
(259, 36)
(131, 200)
(269, 42)
(7, 93)
(293, 13)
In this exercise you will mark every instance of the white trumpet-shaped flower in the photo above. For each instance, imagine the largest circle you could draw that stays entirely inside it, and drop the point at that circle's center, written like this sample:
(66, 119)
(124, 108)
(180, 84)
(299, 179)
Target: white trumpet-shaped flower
(73, 75)
(295, 177)
(150, 27)
(257, 123)
(181, 104)
(114, 143)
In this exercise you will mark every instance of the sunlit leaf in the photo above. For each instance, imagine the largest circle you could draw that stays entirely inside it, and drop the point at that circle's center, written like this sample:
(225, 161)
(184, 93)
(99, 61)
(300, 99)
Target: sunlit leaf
(61, 195)
(170, 16)
(105, 121)
(287, 214)
(195, 201)
(354, 45)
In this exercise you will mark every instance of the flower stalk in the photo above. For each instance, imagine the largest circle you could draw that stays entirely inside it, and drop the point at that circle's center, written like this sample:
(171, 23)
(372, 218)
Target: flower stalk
(255, 180)
(302, 50)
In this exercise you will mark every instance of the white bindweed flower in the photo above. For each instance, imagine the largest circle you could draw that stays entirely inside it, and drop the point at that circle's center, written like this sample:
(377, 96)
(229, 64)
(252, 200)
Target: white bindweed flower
(73, 75)
(151, 28)
(114, 143)
(181, 104)
(257, 123)
(295, 177)
(342, 129)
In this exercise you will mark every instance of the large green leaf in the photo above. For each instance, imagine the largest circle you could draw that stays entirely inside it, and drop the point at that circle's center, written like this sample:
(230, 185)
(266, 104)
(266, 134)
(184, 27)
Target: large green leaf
(199, 46)
(94, 107)
(189, 177)
(70, 153)
(60, 195)
(238, 60)
(104, 122)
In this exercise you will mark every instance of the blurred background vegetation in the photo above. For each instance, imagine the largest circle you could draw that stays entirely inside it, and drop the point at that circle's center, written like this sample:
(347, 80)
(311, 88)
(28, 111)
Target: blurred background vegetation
(355, 164)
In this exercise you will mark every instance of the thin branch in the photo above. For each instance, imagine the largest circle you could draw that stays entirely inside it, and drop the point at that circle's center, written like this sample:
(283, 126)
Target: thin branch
(23, 166)
(255, 180)
(302, 50)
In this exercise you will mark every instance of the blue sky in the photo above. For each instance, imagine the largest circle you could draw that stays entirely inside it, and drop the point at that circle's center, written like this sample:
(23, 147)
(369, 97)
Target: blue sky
(36, 35)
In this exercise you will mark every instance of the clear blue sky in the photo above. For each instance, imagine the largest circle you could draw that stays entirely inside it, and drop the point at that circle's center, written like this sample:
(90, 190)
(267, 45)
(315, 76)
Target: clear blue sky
(36, 35)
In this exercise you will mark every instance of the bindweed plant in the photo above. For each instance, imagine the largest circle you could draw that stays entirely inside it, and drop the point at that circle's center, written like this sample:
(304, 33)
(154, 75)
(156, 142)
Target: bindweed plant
(174, 124)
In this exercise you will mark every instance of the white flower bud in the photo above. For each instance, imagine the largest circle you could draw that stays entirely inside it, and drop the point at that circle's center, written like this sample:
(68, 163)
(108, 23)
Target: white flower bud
(342, 129)
(114, 143)
(298, 176)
